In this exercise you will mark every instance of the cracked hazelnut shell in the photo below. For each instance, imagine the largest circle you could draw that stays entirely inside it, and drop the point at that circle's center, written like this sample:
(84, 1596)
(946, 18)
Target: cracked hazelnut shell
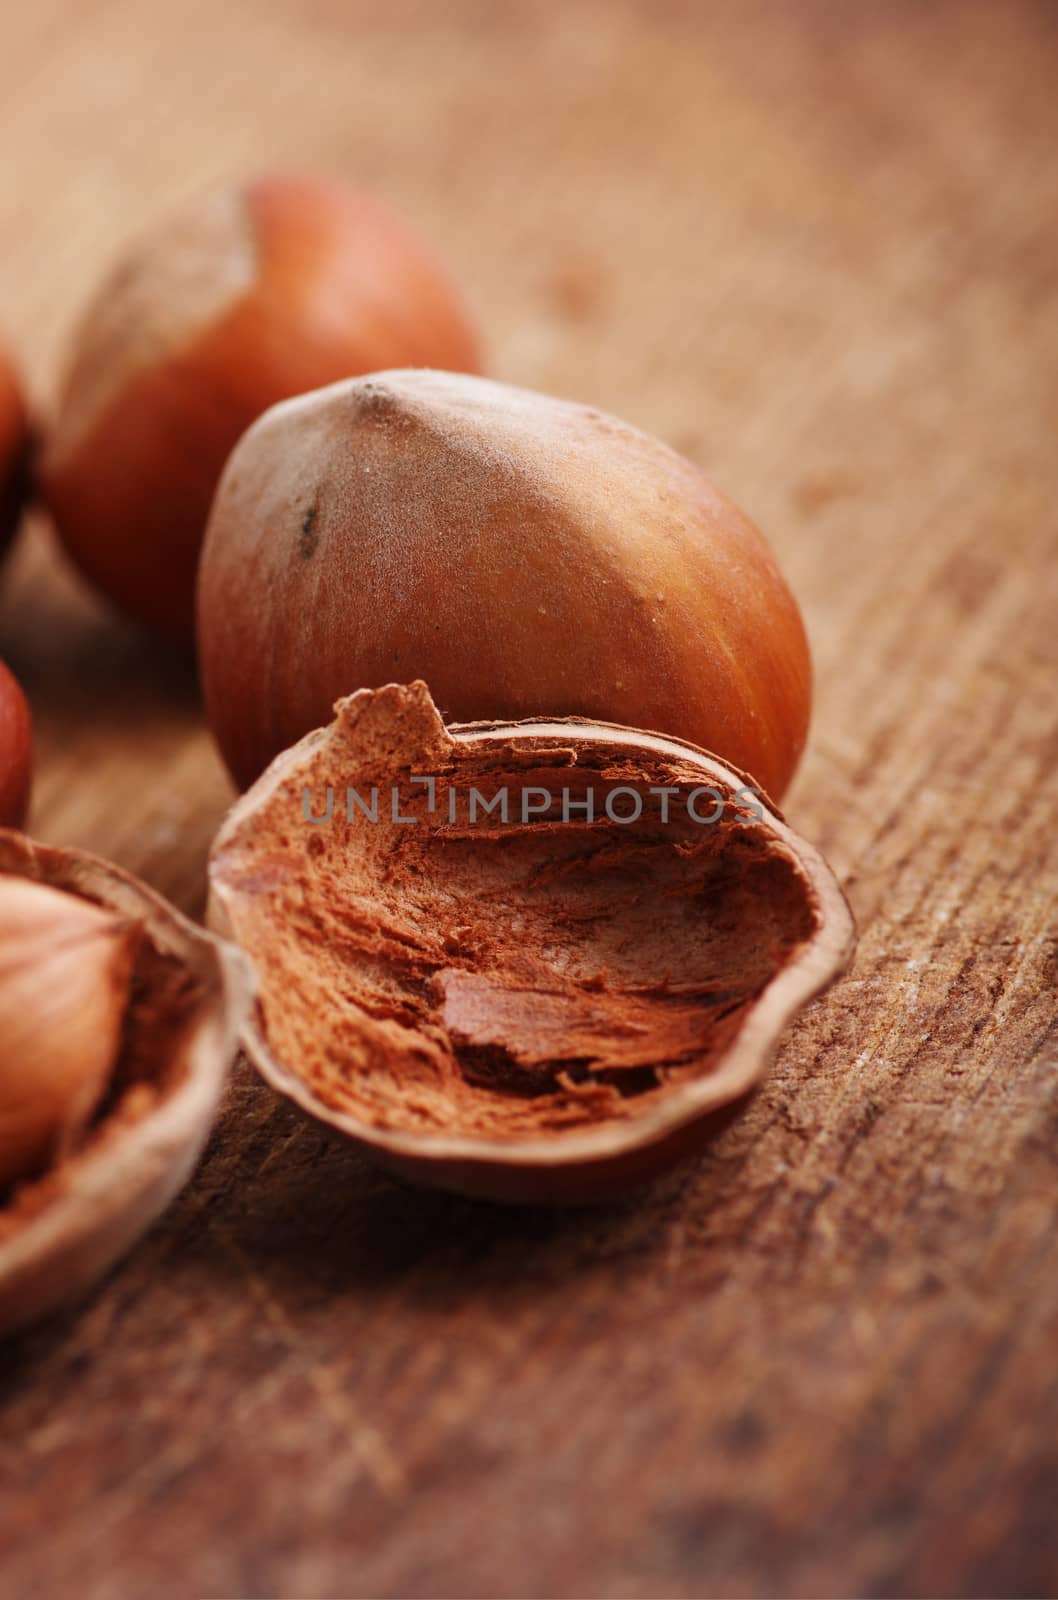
(525, 556)
(16, 751)
(237, 301)
(545, 1010)
(14, 453)
(63, 1228)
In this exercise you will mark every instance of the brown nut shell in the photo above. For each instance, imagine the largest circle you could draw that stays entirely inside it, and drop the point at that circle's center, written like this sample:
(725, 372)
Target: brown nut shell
(14, 453)
(16, 751)
(547, 1009)
(62, 1231)
(242, 298)
(522, 554)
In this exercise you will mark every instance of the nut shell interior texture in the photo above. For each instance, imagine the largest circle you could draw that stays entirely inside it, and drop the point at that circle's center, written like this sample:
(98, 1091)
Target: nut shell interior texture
(539, 1009)
(523, 555)
(61, 1231)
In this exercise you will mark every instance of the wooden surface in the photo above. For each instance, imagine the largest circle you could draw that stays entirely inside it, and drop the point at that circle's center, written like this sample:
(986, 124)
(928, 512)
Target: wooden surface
(813, 246)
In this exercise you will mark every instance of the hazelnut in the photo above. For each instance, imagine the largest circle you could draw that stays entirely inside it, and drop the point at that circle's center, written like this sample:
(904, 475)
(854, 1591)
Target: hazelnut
(524, 555)
(118, 1020)
(520, 960)
(16, 751)
(14, 453)
(240, 300)
(65, 975)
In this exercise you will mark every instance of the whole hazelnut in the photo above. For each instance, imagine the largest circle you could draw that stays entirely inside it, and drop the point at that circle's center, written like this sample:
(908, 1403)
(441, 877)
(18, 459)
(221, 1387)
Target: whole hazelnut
(118, 1021)
(525, 556)
(14, 452)
(16, 751)
(239, 300)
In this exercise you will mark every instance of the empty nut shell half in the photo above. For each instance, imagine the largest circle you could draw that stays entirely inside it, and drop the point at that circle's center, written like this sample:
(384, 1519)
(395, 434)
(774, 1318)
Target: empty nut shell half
(520, 960)
(188, 996)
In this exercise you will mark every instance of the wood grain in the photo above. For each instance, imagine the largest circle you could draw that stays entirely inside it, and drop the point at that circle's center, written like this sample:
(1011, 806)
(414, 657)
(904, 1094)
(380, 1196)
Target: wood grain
(814, 246)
